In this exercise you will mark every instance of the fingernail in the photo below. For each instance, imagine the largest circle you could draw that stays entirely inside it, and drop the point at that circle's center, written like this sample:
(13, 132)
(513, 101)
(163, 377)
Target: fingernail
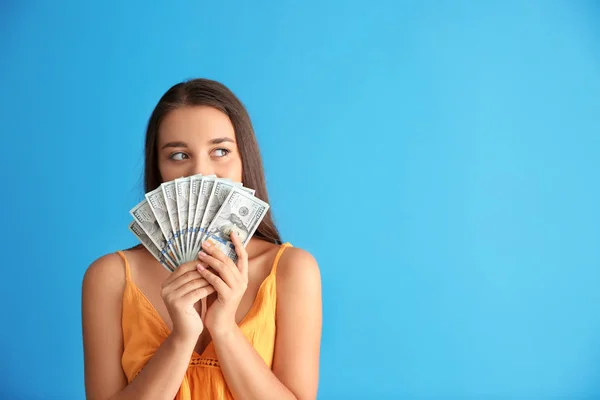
(206, 244)
(201, 254)
(201, 267)
(233, 233)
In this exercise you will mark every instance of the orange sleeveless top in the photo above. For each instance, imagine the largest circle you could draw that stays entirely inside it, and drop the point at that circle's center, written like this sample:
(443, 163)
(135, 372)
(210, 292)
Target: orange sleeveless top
(144, 331)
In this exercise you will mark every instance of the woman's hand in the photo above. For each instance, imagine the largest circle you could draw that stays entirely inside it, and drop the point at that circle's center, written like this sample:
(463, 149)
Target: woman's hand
(181, 291)
(230, 284)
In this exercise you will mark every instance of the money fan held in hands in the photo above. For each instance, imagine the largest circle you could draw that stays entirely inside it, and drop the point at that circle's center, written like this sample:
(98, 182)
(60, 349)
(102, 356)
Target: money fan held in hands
(174, 234)
(211, 304)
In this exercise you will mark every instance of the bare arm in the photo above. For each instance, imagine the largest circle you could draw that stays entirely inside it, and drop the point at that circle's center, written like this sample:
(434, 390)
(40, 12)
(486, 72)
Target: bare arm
(161, 378)
(295, 371)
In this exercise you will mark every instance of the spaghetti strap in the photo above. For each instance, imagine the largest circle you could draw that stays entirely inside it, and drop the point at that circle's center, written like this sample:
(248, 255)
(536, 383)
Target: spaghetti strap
(278, 256)
(127, 270)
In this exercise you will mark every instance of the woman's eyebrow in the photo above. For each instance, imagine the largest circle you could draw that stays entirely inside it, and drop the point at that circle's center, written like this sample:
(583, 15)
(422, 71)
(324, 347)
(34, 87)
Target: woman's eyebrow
(175, 144)
(220, 140)
(210, 142)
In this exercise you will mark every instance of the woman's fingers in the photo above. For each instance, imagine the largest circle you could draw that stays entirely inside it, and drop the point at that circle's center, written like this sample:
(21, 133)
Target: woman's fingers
(212, 257)
(191, 286)
(214, 280)
(195, 295)
(242, 255)
(183, 279)
(183, 274)
(219, 268)
(182, 269)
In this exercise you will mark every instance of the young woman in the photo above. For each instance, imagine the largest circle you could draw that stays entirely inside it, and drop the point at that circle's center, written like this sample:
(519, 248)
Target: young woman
(142, 332)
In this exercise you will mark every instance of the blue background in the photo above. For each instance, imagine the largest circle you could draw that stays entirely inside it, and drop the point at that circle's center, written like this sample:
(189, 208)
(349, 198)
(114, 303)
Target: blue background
(440, 159)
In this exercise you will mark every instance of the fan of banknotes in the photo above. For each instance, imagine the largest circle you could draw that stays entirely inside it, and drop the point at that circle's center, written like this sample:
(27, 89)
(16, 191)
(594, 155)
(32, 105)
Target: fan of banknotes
(175, 219)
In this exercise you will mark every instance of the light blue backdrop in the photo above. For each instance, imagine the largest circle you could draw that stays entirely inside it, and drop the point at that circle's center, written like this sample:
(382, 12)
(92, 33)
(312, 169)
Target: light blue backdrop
(440, 159)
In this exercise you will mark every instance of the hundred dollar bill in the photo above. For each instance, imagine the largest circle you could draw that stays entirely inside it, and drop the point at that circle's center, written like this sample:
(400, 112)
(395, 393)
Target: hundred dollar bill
(219, 192)
(170, 194)
(203, 195)
(241, 212)
(156, 200)
(195, 182)
(216, 201)
(142, 214)
(137, 230)
(182, 189)
(248, 190)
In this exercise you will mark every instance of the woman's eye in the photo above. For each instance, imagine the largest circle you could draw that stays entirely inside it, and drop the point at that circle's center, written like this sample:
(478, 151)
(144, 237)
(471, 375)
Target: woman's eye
(178, 156)
(222, 152)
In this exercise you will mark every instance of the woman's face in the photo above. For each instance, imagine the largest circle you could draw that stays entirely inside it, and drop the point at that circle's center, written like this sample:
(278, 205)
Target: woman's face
(198, 140)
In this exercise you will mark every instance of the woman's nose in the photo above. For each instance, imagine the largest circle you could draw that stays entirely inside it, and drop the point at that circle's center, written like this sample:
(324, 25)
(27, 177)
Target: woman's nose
(203, 168)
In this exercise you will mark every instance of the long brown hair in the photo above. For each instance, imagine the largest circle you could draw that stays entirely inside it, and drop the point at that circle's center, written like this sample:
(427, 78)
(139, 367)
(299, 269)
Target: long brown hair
(205, 92)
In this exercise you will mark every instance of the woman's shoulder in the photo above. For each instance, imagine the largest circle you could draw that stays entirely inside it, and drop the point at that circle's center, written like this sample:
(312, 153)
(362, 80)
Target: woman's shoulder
(293, 263)
(107, 267)
(106, 272)
(298, 268)
(111, 269)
